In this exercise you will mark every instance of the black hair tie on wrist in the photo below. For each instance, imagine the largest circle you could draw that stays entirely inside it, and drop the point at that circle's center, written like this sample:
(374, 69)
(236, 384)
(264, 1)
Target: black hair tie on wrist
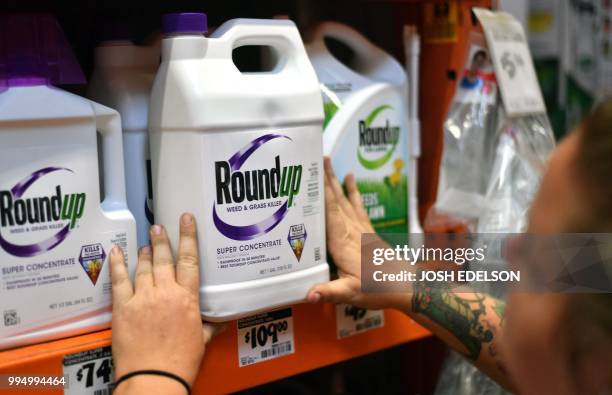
(153, 373)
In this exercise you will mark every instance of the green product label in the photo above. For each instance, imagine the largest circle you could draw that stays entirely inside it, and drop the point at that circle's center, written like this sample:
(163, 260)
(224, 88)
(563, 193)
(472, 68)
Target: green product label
(374, 137)
(385, 199)
(375, 151)
(386, 202)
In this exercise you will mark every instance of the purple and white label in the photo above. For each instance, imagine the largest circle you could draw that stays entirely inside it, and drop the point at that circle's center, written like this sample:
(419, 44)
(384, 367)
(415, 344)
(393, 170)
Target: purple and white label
(20, 214)
(268, 189)
(234, 186)
(54, 232)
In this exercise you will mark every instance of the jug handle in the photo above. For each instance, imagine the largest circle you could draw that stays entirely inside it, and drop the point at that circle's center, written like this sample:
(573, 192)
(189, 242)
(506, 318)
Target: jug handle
(349, 36)
(108, 123)
(282, 35)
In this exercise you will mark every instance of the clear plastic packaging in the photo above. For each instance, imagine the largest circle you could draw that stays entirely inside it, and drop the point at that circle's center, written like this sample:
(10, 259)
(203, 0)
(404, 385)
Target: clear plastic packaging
(523, 145)
(469, 133)
(459, 377)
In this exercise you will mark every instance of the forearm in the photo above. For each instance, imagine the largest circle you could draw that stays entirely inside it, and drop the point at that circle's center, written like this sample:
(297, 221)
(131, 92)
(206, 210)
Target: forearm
(469, 322)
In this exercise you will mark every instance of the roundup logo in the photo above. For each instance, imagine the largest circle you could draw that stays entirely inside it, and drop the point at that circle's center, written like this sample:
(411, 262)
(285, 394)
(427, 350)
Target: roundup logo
(237, 186)
(376, 139)
(16, 210)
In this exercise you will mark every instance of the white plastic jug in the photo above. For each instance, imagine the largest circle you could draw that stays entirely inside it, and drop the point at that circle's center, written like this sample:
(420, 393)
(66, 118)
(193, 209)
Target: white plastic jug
(55, 231)
(122, 79)
(366, 130)
(55, 235)
(243, 152)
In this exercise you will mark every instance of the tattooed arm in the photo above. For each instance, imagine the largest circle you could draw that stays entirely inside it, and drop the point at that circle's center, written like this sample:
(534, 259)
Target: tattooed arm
(468, 322)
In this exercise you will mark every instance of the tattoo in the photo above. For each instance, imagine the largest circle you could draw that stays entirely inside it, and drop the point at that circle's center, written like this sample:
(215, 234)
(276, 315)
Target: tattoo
(459, 315)
(499, 307)
(496, 357)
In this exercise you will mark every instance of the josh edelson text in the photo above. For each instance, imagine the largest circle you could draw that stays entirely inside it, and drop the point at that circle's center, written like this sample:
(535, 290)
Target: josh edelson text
(399, 263)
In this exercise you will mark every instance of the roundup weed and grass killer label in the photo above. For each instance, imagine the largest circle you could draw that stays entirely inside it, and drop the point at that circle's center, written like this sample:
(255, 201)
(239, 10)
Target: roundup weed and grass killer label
(267, 200)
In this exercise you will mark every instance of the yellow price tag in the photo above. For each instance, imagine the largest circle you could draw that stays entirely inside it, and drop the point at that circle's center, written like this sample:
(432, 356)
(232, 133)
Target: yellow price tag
(441, 22)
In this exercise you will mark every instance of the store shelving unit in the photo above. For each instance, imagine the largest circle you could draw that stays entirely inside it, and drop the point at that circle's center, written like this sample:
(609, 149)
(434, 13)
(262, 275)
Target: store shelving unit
(316, 345)
(316, 342)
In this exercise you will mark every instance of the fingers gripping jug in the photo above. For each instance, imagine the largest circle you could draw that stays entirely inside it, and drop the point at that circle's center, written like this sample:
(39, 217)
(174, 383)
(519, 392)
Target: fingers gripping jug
(243, 152)
(366, 129)
(55, 234)
(122, 79)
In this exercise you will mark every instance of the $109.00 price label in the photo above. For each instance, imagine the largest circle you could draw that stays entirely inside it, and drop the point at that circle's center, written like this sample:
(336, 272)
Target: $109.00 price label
(89, 372)
(265, 336)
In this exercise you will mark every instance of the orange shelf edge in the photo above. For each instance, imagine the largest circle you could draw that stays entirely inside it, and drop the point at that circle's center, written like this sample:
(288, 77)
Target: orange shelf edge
(316, 346)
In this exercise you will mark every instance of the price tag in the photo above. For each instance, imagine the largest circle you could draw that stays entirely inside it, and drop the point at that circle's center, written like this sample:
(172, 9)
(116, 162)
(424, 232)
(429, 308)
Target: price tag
(440, 22)
(89, 372)
(516, 75)
(265, 336)
(351, 320)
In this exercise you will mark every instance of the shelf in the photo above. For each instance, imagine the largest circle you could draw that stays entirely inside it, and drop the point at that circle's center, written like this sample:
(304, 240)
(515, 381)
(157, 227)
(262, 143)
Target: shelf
(316, 345)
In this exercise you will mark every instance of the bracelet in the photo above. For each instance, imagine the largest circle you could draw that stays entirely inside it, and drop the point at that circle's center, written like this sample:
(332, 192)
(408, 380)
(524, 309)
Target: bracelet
(153, 373)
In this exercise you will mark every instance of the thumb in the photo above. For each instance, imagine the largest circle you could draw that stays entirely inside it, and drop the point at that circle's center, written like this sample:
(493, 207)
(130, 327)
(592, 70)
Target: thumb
(342, 290)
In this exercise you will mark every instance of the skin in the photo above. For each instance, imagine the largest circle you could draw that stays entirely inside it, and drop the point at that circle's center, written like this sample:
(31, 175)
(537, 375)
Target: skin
(156, 319)
(346, 220)
(533, 344)
(524, 349)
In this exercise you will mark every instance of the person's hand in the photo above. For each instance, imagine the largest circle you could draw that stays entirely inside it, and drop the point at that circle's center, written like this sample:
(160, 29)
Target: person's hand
(346, 220)
(156, 321)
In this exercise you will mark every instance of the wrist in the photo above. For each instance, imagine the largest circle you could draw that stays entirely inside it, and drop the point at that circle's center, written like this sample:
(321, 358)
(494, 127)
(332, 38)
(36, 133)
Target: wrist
(400, 301)
(149, 384)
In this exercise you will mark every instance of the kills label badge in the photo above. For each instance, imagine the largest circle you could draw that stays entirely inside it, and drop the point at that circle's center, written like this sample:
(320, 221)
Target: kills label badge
(297, 239)
(92, 259)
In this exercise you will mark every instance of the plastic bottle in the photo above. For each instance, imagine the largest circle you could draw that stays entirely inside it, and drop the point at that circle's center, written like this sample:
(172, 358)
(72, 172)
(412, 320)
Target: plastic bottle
(366, 122)
(216, 133)
(122, 79)
(55, 232)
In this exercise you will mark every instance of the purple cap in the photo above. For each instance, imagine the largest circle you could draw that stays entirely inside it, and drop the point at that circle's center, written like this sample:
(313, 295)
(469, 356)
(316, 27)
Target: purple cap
(184, 22)
(34, 51)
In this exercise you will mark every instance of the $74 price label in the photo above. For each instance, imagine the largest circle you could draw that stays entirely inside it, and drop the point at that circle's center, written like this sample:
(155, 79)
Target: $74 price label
(95, 370)
(265, 336)
(89, 372)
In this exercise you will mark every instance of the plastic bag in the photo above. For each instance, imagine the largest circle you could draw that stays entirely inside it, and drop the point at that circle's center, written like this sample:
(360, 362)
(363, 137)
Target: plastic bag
(469, 139)
(523, 146)
(459, 377)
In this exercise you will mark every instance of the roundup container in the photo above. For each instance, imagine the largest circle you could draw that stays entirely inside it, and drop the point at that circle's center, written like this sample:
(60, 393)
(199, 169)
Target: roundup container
(122, 79)
(366, 123)
(243, 152)
(55, 232)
